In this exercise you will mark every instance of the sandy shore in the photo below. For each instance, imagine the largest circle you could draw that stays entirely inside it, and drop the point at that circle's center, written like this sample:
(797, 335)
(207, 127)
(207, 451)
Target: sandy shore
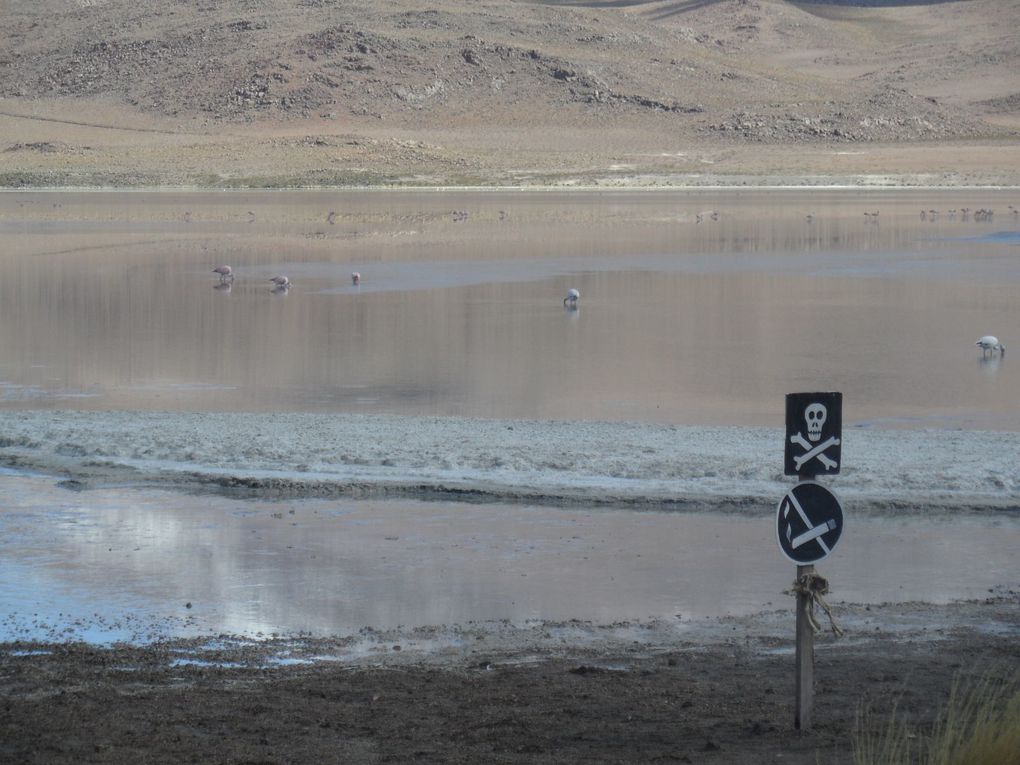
(359, 158)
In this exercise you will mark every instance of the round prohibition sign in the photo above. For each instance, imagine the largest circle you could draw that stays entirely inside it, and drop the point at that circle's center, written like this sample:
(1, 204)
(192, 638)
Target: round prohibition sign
(809, 522)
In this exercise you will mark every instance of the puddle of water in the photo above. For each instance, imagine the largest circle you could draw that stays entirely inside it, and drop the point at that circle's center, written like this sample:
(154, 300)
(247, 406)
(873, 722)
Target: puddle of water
(189, 662)
(137, 558)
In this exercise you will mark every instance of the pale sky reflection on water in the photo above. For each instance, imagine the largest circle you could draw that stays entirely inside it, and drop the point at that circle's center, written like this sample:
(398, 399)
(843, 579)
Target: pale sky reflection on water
(124, 564)
(107, 300)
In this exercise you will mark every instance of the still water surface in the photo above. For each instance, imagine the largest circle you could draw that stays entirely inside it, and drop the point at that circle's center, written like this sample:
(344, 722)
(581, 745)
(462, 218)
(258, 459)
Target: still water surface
(107, 301)
(116, 564)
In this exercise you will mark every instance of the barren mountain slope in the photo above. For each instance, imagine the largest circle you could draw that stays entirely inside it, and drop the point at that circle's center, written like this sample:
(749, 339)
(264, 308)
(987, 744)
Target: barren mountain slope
(724, 72)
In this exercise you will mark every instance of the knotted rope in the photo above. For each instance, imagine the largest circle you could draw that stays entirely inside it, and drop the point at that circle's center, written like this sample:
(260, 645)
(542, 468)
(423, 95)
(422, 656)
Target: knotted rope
(813, 587)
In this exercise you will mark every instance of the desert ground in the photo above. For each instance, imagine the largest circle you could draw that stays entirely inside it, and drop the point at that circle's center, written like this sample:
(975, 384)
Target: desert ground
(675, 93)
(282, 93)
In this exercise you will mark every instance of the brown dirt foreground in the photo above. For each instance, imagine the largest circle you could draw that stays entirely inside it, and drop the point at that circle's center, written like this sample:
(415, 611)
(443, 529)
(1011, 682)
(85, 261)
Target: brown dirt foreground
(498, 695)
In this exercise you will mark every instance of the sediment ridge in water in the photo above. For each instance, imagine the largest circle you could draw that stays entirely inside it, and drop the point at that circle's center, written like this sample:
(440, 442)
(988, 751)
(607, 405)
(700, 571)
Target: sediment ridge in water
(547, 462)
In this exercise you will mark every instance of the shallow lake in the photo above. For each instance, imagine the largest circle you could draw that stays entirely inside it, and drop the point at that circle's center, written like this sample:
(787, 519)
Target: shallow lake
(696, 308)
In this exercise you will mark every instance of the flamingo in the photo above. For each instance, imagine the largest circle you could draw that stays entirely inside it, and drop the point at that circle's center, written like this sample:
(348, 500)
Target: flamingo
(226, 273)
(990, 343)
(572, 297)
(355, 278)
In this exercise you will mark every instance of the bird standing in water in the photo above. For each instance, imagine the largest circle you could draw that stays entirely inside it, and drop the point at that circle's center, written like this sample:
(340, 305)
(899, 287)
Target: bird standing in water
(990, 343)
(572, 297)
(226, 273)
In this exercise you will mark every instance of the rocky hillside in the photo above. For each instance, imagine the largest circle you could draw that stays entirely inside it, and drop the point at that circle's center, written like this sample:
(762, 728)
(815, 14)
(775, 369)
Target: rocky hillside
(748, 70)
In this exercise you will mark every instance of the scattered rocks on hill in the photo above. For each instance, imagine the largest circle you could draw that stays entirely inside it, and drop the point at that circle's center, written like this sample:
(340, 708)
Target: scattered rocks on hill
(690, 72)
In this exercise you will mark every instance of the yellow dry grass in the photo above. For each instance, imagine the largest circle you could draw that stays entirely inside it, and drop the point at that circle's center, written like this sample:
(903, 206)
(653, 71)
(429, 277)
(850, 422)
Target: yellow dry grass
(980, 725)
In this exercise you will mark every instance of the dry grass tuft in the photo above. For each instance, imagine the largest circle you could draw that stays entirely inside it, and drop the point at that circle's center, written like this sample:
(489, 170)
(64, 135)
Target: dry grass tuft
(980, 725)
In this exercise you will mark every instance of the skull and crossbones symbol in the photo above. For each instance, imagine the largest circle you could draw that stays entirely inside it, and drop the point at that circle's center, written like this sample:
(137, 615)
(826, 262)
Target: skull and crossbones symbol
(814, 417)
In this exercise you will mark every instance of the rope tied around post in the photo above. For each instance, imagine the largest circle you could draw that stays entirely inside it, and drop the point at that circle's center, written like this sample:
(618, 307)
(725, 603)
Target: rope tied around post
(813, 587)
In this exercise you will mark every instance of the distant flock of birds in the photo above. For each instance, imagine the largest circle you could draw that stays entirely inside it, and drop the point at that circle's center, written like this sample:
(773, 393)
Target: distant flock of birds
(281, 284)
(982, 214)
(989, 344)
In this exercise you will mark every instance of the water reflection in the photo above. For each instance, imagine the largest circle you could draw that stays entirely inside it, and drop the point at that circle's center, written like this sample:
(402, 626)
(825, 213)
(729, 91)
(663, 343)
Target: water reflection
(685, 321)
(990, 364)
(332, 567)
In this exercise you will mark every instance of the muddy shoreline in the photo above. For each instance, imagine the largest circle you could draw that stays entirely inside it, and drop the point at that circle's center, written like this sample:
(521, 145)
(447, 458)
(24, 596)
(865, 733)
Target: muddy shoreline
(498, 693)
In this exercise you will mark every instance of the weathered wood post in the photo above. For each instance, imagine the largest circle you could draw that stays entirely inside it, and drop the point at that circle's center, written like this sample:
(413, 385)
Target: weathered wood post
(805, 674)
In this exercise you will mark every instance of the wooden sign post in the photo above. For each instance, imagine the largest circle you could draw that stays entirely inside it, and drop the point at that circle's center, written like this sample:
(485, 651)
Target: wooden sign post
(805, 656)
(809, 520)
